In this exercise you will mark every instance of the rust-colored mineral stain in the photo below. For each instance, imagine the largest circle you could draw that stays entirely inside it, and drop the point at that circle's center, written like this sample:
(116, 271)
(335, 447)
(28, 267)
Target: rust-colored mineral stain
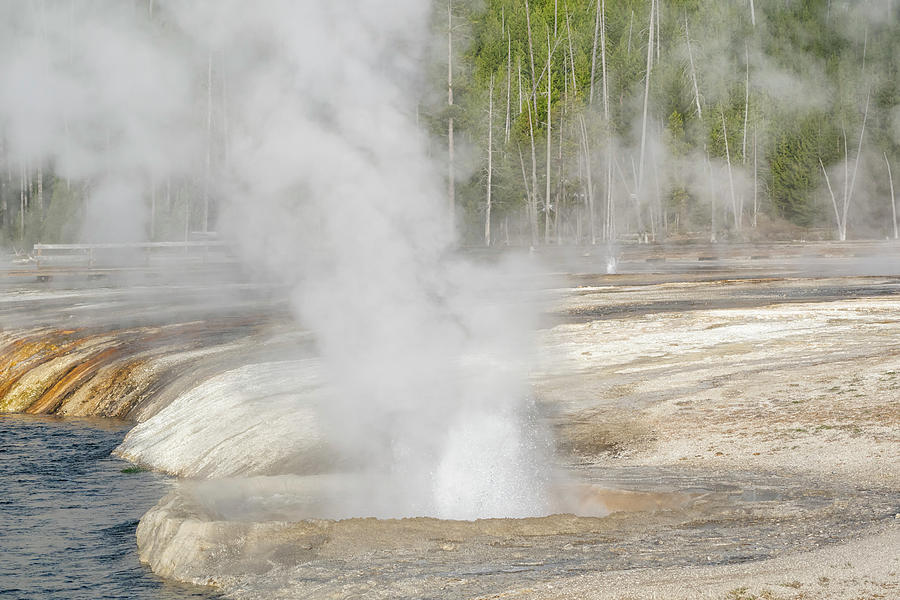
(72, 380)
(116, 394)
(27, 353)
(130, 348)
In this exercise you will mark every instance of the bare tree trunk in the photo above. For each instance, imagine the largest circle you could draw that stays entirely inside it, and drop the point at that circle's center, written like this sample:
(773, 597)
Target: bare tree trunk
(837, 214)
(152, 210)
(555, 18)
(549, 128)
(752, 14)
(640, 182)
(67, 151)
(744, 133)
(656, 224)
(755, 182)
(746, 110)
(609, 232)
(534, 200)
(530, 202)
(865, 49)
(862, 133)
(208, 144)
(40, 193)
(893, 201)
(508, 81)
(712, 201)
(23, 195)
(451, 171)
(571, 53)
(519, 70)
(579, 216)
(187, 218)
(658, 29)
(608, 229)
(531, 56)
(630, 30)
(4, 185)
(226, 145)
(842, 229)
(594, 53)
(603, 62)
(623, 178)
(638, 201)
(736, 211)
(490, 172)
(579, 210)
(687, 36)
(585, 145)
(560, 181)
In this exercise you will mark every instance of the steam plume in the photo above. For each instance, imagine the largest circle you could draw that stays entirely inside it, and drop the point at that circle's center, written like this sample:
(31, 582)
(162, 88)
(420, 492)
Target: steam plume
(295, 120)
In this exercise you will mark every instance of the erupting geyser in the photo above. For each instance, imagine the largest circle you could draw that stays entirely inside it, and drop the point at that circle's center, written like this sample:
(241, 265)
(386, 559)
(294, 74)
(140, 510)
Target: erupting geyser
(321, 178)
(424, 358)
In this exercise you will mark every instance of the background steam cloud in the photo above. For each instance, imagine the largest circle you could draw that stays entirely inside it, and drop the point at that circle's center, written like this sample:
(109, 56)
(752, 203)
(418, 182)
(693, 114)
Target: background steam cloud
(303, 115)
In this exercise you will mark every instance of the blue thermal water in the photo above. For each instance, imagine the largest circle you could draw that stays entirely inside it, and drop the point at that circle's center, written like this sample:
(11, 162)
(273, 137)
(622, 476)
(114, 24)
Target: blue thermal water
(68, 514)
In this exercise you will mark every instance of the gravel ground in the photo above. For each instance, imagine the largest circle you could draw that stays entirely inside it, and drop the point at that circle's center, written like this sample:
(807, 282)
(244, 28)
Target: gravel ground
(805, 386)
(867, 568)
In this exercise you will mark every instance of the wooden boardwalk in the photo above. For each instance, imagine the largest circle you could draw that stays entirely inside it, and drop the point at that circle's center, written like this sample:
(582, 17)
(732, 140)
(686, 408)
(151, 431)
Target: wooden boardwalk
(104, 259)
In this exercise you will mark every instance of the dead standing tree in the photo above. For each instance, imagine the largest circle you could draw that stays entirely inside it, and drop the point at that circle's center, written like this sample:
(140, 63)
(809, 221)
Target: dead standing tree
(586, 149)
(609, 227)
(841, 214)
(640, 173)
(533, 200)
(687, 36)
(451, 171)
(5, 184)
(549, 129)
(599, 37)
(509, 81)
(893, 199)
(735, 207)
(208, 163)
(490, 165)
(533, 98)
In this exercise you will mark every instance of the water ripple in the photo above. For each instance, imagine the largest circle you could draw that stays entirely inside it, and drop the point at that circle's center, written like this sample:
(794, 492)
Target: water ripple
(68, 514)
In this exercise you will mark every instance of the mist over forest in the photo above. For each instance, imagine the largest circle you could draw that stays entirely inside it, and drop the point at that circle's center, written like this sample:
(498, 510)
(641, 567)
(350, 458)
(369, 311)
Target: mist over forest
(543, 121)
